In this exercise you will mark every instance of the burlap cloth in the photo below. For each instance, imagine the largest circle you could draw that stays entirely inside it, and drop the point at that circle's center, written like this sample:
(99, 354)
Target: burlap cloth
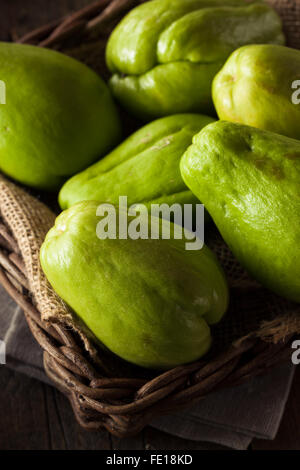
(253, 310)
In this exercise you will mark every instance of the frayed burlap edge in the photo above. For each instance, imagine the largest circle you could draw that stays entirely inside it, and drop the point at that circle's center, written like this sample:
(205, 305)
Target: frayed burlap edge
(275, 331)
(29, 220)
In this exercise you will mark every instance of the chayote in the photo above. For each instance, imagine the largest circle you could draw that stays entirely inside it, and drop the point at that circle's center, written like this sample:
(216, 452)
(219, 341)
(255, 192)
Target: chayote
(147, 300)
(59, 116)
(255, 87)
(248, 180)
(165, 53)
(145, 167)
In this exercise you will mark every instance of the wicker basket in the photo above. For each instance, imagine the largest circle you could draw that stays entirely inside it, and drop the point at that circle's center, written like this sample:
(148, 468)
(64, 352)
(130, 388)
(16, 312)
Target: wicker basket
(103, 390)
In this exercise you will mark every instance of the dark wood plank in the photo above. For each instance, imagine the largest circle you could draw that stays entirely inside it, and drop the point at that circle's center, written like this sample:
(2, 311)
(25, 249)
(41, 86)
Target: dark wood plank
(23, 422)
(288, 436)
(36, 416)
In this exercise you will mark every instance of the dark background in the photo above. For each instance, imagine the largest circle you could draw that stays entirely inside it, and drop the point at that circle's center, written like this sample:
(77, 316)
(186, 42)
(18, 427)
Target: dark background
(36, 416)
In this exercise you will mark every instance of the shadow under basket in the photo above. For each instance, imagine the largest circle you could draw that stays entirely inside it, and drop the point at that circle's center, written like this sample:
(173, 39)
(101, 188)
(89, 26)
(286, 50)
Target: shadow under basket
(105, 391)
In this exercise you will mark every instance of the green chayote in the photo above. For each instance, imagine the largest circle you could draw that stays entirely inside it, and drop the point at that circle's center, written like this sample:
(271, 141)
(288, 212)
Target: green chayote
(165, 53)
(248, 180)
(145, 167)
(256, 87)
(59, 116)
(148, 300)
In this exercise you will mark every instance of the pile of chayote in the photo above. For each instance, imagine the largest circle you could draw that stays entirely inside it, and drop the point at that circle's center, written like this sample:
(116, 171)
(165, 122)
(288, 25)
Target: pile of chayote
(149, 300)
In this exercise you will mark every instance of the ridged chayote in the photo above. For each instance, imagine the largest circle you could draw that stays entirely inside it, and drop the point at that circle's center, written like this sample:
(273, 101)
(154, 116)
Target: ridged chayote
(165, 53)
(59, 116)
(256, 87)
(149, 301)
(248, 180)
(145, 167)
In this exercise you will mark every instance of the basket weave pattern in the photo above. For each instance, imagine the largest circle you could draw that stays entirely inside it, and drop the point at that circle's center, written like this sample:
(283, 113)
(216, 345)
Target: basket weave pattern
(103, 390)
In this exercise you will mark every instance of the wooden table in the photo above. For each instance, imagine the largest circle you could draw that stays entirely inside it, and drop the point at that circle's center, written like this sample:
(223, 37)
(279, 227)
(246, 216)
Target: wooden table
(36, 416)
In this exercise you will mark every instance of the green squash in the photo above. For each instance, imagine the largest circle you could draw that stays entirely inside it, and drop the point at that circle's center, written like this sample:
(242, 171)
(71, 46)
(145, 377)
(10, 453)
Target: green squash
(148, 300)
(248, 180)
(256, 87)
(145, 167)
(58, 118)
(165, 53)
